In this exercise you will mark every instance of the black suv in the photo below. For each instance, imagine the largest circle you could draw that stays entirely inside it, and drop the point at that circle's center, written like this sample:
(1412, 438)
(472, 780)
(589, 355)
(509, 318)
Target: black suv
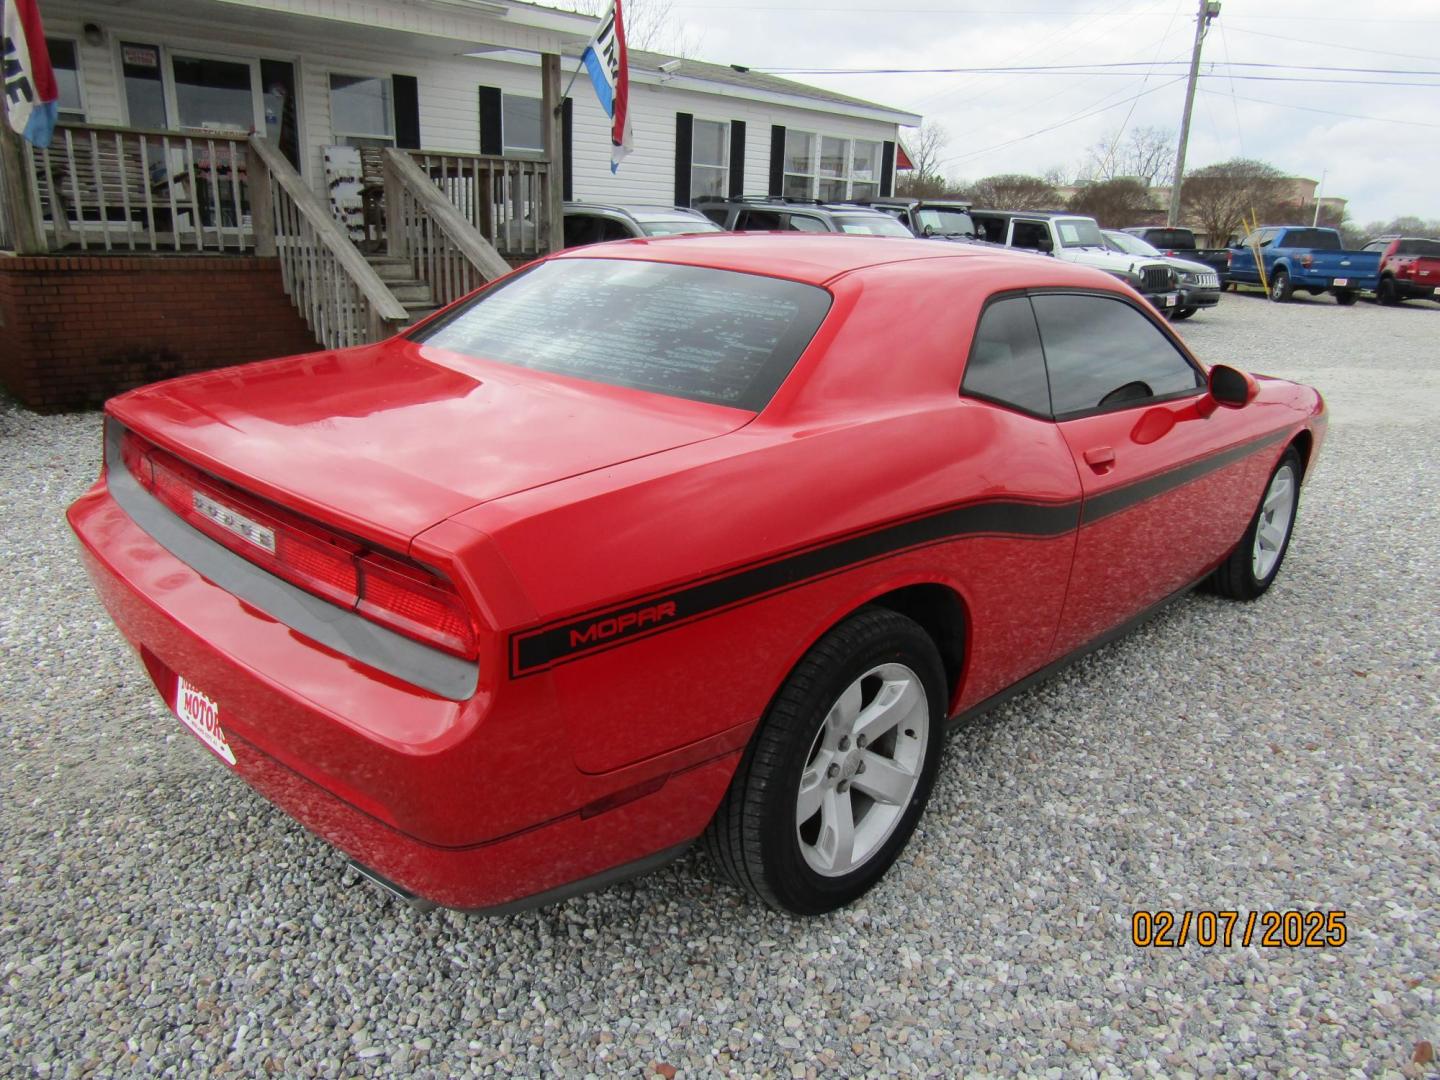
(594, 223)
(949, 218)
(778, 214)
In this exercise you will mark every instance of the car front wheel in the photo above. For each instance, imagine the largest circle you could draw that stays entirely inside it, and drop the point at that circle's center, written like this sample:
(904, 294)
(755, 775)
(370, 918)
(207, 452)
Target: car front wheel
(840, 769)
(1183, 313)
(1249, 570)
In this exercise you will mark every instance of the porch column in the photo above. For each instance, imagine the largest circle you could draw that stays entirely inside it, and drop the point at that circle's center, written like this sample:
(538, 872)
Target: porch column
(551, 103)
(17, 188)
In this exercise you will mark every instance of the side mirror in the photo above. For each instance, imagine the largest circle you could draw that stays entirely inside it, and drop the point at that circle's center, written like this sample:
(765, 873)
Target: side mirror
(1232, 388)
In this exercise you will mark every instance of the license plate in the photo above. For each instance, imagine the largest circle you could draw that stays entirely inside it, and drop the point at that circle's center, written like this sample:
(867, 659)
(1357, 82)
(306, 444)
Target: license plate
(198, 712)
(1171, 299)
(1342, 281)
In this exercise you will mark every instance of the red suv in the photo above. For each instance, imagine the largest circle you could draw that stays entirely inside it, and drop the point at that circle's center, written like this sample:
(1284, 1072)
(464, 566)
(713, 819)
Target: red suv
(1409, 268)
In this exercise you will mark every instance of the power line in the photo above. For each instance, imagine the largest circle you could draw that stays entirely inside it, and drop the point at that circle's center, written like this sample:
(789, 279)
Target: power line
(1329, 112)
(1335, 45)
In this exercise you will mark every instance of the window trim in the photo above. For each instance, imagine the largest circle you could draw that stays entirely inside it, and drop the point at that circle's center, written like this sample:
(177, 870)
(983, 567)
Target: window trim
(336, 135)
(1144, 310)
(723, 169)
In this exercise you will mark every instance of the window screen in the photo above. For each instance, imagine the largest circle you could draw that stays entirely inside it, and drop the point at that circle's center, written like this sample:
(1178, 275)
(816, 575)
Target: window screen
(1104, 354)
(708, 335)
(1006, 363)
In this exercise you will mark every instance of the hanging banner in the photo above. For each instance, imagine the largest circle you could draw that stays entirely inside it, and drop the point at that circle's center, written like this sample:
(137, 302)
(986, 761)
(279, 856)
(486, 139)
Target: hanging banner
(32, 100)
(609, 65)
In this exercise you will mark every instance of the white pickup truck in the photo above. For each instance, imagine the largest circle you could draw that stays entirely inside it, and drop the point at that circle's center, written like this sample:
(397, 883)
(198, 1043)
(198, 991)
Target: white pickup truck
(1078, 239)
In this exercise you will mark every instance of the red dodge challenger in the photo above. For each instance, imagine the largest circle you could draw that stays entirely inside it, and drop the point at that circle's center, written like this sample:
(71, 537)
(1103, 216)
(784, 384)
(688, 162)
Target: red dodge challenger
(670, 539)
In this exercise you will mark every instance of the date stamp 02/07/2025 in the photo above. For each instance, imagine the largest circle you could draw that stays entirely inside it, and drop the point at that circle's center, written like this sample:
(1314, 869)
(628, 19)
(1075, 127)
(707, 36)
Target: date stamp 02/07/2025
(1165, 929)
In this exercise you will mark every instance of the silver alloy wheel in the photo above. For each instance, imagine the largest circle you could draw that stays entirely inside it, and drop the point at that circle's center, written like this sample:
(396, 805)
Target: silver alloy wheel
(1277, 513)
(862, 769)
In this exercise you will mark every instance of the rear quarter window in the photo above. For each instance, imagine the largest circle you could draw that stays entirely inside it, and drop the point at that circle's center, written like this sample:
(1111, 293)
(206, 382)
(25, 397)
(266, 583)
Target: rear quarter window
(716, 336)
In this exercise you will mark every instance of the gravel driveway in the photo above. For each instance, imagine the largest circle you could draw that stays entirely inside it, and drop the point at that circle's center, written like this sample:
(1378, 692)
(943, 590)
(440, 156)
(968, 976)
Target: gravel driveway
(160, 917)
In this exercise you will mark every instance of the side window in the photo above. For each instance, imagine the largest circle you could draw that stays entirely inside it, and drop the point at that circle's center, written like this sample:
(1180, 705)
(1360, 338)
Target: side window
(757, 221)
(610, 229)
(1033, 235)
(1006, 363)
(804, 223)
(580, 229)
(1103, 354)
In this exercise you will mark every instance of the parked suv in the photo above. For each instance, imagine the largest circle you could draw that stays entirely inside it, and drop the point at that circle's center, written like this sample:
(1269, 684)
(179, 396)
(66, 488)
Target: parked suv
(1409, 268)
(929, 217)
(1199, 284)
(1179, 243)
(594, 223)
(777, 214)
(1079, 240)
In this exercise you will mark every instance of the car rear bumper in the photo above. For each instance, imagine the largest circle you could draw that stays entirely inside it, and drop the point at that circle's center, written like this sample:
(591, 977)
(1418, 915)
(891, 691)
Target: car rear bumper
(1407, 289)
(421, 789)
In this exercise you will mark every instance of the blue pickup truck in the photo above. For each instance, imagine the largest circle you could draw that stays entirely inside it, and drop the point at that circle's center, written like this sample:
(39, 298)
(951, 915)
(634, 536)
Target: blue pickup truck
(1301, 257)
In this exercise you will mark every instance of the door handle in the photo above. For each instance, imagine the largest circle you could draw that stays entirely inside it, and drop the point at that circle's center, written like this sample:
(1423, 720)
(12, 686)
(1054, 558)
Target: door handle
(1100, 458)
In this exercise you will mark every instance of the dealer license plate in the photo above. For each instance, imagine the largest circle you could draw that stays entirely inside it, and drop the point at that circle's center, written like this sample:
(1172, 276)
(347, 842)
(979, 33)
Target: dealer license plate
(1342, 281)
(1171, 299)
(198, 711)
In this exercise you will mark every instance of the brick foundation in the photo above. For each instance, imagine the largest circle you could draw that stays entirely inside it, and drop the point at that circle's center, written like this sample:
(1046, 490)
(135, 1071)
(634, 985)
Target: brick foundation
(77, 330)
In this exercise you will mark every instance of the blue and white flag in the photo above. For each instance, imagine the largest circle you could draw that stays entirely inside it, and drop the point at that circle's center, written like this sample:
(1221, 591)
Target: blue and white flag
(609, 65)
(32, 100)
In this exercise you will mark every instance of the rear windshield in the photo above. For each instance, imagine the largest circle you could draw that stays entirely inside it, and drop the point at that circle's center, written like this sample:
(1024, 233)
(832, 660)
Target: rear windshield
(1170, 238)
(1419, 247)
(1314, 239)
(715, 336)
(871, 225)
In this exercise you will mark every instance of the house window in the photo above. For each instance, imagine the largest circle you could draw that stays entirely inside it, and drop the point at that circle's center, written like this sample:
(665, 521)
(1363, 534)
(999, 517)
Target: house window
(521, 122)
(360, 110)
(214, 95)
(830, 168)
(709, 158)
(65, 60)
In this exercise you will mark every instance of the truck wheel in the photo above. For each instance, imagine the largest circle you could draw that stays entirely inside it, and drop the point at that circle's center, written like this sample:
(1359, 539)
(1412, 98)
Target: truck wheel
(1280, 288)
(1387, 294)
(840, 769)
(1346, 297)
(1182, 313)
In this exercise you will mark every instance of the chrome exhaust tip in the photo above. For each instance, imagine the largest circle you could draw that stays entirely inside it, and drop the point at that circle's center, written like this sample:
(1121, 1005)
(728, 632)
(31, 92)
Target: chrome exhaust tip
(389, 888)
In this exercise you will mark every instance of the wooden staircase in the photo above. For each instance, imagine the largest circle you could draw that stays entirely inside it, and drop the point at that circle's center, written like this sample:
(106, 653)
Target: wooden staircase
(398, 274)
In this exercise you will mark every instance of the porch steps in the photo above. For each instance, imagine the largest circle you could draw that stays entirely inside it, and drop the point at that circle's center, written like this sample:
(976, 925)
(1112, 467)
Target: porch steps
(399, 277)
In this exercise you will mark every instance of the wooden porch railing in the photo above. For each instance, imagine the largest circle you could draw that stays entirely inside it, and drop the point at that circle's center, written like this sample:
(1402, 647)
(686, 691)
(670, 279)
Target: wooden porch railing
(131, 189)
(504, 198)
(339, 294)
(422, 225)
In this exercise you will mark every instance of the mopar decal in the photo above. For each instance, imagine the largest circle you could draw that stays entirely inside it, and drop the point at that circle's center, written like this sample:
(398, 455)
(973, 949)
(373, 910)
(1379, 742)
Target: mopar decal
(612, 625)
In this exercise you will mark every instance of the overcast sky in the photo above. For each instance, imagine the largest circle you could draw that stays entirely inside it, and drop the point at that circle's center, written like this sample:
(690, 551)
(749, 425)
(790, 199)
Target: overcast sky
(1383, 168)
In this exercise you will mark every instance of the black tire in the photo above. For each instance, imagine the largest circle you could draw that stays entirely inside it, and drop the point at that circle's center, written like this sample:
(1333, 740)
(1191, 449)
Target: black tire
(1386, 293)
(1346, 297)
(1280, 288)
(1235, 578)
(754, 838)
(1180, 314)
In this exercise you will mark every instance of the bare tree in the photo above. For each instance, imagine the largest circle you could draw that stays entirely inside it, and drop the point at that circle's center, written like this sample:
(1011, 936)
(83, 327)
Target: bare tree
(1146, 153)
(1115, 204)
(1220, 197)
(924, 145)
(1013, 191)
(650, 25)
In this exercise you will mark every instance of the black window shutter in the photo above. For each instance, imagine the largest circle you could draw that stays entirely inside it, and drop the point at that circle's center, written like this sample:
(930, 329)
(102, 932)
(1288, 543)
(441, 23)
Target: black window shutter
(777, 160)
(737, 159)
(887, 169)
(492, 133)
(567, 146)
(406, 90)
(684, 133)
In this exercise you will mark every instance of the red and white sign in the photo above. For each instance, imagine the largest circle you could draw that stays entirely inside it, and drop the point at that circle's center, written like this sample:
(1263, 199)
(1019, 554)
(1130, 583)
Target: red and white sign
(198, 711)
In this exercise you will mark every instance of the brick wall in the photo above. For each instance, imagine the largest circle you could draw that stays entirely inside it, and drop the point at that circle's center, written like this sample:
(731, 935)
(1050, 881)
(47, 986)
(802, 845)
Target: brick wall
(77, 330)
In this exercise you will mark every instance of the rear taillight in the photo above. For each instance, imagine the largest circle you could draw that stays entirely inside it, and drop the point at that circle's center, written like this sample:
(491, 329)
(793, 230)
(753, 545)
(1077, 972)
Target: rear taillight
(1307, 261)
(384, 588)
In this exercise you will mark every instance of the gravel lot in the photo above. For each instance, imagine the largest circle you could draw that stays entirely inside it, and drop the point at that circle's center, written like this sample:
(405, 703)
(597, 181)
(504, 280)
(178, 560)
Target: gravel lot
(160, 917)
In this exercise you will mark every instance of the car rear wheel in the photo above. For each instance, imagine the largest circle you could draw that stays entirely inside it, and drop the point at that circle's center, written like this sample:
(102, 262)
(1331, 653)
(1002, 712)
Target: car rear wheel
(1280, 288)
(1346, 297)
(840, 769)
(1386, 293)
(1249, 570)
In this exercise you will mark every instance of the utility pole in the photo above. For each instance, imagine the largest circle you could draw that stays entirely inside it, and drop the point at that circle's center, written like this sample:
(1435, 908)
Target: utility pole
(1209, 9)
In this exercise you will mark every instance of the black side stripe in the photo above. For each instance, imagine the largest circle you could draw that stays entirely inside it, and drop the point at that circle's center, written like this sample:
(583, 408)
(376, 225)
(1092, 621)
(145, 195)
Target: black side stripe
(532, 651)
(1122, 498)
